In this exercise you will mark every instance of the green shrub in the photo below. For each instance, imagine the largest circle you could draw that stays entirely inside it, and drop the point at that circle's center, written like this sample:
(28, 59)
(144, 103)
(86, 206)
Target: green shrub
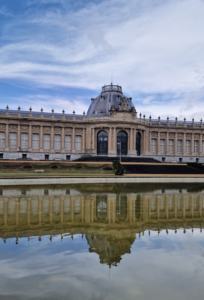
(118, 167)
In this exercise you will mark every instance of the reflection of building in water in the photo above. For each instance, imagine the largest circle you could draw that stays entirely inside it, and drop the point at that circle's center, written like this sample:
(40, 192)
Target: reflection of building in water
(110, 222)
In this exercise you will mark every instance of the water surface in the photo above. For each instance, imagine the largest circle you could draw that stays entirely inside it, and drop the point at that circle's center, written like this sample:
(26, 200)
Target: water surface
(102, 242)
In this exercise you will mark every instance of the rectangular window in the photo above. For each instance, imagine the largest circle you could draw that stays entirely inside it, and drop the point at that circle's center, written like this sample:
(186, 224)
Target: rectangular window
(77, 206)
(153, 205)
(170, 204)
(195, 203)
(57, 140)
(78, 142)
(66, 206)
(34, 207)
(45, 207)
(11, 207)
(1, 155)
(24, 140)
(171, 146)
(195, 146)
(162, 146)
(46, 157)
(203, 147)
(35, 141)
(179, 146)
(187, 146)
(161, 204)
(179, 203)
(1, 208)
(56, 207)
(68, 142)
(12, 140)
(23, 207)
(2, 140)
(187, 204)
(46, 141)
(153, 145)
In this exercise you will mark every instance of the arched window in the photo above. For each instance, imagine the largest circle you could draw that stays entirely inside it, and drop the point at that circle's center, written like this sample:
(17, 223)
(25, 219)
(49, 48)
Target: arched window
(122, 142)
(138, 143)
(101, 207)
(102, 143)
(121, 207)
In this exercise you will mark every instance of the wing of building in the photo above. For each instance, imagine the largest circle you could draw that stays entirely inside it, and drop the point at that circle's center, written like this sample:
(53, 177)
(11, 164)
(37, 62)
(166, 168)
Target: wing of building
(111, 127)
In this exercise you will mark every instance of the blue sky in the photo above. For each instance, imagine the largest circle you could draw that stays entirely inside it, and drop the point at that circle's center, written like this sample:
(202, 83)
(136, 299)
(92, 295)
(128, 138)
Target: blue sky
(58, 54)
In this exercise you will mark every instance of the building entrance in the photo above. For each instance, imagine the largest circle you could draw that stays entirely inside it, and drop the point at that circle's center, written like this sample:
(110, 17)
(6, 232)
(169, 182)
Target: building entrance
(122, 141)
(102, 143)
(138, 144)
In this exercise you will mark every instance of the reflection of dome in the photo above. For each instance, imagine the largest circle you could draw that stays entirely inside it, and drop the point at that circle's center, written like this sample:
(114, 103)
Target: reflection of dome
(110, 95)
(109, 247)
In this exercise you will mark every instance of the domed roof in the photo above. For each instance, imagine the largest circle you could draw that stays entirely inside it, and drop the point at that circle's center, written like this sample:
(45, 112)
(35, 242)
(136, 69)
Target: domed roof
(110, 95)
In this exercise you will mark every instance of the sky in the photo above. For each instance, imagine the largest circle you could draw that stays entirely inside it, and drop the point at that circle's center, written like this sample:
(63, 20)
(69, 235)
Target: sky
(57, 54)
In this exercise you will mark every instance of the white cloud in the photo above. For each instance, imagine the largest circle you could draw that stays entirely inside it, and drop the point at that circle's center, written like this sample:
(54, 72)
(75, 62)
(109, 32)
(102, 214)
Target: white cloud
(151, 46)
(5, 12)
(47, 103)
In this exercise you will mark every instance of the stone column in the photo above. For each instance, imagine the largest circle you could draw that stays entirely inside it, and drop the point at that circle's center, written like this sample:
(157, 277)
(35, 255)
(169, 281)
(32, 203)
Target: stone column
(150, 139)
(130, 142)
(30, 138)
(191, 205)
(41, 138)
(73, 140)
(50, 209)
(184, 143)
(157, 207)
(93, 140)
(87, 204)
(158, 143)
(62, 139)
(144, 142)
(167, 143)
(7, 138)
(61, 210)
(134, 141)
(52, 139)
(19, 137)
(17, 213)
(183, 206)
(72, 209)
(192, 144)
(166, 207)
(84, 140)
(82, 209)
(200, 206)
(175, 207)
(5, 212)
(200, 144)
(175, 143)
(109, 140)
(114, 140)
(28, 212)
(39, 211)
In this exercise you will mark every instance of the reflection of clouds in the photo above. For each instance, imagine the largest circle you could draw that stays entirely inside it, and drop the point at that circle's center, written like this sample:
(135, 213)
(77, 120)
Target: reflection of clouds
(44, 270)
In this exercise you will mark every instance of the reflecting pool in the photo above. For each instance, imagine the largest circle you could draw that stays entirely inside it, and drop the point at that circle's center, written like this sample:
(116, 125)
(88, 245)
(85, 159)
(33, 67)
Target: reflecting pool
(132, 241)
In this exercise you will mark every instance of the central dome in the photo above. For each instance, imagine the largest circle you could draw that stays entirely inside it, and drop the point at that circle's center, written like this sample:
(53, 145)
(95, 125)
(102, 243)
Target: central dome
(110, 95)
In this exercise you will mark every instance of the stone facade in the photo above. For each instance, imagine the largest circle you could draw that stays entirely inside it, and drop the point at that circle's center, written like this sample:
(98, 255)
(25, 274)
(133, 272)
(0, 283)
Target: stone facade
(50, 136)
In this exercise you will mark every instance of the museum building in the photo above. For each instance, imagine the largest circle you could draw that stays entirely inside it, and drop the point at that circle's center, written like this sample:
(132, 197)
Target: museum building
(111, 127)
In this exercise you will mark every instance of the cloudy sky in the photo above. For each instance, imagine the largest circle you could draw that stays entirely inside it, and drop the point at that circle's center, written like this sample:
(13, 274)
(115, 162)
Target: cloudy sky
(58, 54)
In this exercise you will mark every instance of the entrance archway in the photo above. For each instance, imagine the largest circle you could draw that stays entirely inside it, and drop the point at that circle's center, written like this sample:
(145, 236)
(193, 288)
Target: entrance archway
(122, 139)
(102, 143)
(138, 143)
